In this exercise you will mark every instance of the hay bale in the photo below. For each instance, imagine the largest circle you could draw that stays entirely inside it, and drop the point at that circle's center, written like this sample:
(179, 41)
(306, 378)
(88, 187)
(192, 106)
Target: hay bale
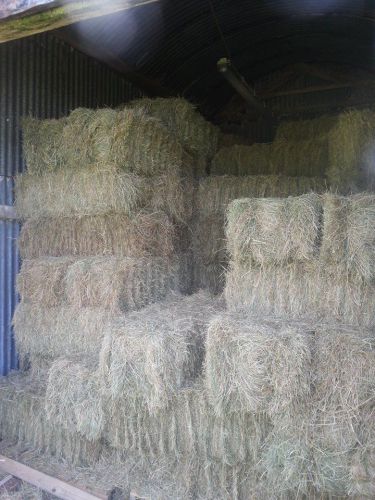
(274, 230)
(256, 366)
(109, 283)
(128, 140)
(73, 398)
(59, 331)
(312, 292)
(96, 191)
(141, 235)
(209, 276)
(42, 144)
(216, 192)
(23, 420)
(349, 234)
(228, 140)
(243, 160)
(197, 135)
(208, 239)
(300, 130)
(157, 351)
(309, 158)
(351, 150)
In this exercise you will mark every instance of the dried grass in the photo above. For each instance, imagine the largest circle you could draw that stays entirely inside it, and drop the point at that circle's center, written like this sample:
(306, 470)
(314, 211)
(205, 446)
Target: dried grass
(274, 230)
(155, 352)
(59, 331)
(257, 365)
(128, 140)
(309, 157)
(114, 284)
(96, 191)
(23, 420)
(215, 193)
(313, 292)
(208, 238)
(241, 160)
(300, 130)
(73, 398)
(180, 117)
(141, 235)
(349, 234)
(351, 150)
(209, 276)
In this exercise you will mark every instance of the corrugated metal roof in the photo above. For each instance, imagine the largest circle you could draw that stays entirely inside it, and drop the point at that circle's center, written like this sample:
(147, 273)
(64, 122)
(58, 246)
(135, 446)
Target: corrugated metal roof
(178, 43)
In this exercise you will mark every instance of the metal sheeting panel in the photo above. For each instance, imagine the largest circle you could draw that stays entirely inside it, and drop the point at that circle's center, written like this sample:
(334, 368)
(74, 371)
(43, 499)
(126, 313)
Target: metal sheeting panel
(43, 77)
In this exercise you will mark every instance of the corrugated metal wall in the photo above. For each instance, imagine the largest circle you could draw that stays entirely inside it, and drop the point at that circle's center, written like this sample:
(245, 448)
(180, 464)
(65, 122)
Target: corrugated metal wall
(46, 78)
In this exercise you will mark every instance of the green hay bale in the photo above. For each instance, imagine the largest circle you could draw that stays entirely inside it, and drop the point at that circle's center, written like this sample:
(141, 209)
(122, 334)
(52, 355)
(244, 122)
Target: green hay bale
(318, 292)
(197, 135)
(349, 233)
(73, 399)
(157, 351)
(141, 235)
(300, 130)
(256, 366)
(351, 150)
(23, 420)
(109, 283)
(243, 160)
(42, 144)
(95, 191)
(274, 230)
(59, 331)
(216, 192)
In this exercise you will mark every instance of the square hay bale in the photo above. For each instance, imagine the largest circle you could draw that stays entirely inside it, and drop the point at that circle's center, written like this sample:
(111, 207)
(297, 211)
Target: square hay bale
(209, 276)
(74, 400)
(274, 231)
(110, 283)
(120, 285)
(257, 366)
(242, 160)
(309, 157)
(300, 130)
(349, 234)
(344, 397)
(157, 351)
(59, 331)
(312, 292)
(351, 150)
(23, 420)
(215, 193)
(181, 118)
(97, 191)
(127, 139)
(208, 238)
(141, 235)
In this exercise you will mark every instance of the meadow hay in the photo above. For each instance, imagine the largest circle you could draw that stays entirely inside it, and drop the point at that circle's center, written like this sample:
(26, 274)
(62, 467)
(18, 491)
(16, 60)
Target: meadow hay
(180, 117)
(120, 285)
(209, 276)
(23, 420)
(274, 230)
(59, 331)
(141, 235)
(256, 366)
(241, 160)
(208, 239)
(307, 158)
(228, 140)
(42, 144)
(349, 233)
(312, 292)
(153, 353)
(216, 192)
(73, 398)
(95, 191)
(351, 150)
(114, 284)
(300, 130)
(129, 140)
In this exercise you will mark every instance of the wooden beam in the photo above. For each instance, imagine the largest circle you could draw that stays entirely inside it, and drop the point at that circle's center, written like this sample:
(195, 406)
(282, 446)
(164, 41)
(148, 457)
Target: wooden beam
(65, 13)
(52, 485)
(315, 88)
(7, 212)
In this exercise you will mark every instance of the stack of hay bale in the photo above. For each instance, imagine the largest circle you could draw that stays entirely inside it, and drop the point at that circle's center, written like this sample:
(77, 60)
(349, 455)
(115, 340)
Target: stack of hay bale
(105, 224)
(297, 345)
